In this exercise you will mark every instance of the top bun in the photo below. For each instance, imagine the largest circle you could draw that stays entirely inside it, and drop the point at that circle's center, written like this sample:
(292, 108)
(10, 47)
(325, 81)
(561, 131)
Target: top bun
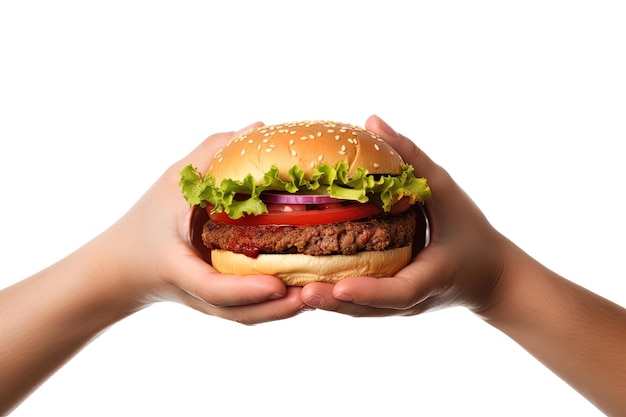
(306, 144)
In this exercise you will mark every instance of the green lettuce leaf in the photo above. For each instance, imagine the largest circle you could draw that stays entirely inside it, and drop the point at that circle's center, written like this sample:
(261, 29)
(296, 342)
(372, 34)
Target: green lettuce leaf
(385, 190)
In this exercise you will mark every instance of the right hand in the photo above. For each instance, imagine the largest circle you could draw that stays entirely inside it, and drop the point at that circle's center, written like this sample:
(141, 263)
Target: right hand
(462, 265)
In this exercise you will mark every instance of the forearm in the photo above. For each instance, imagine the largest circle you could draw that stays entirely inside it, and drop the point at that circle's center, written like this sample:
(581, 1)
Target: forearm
(49, 317)
(576, 333)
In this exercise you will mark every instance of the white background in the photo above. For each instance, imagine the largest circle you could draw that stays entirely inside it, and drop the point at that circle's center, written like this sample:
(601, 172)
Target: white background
(523, 102)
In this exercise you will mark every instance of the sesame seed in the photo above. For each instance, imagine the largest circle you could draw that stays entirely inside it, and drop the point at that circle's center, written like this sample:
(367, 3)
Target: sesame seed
(293, 152)
(293, 132)
(243, 151)
(376, 165)
(312, 164)
(250, 141)
(337, 137)
(319, 158)
(391, 153)
(319, 134)
(377, 147)
(291, 142)
(268, 150)
(311, 137)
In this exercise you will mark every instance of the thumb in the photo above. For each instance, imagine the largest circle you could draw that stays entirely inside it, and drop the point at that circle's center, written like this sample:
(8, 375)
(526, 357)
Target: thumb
(199, 280)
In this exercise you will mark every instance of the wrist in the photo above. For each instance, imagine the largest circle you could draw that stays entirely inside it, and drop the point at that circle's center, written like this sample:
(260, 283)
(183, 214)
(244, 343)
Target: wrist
(94, 279)
(515, 282)
(108, 280)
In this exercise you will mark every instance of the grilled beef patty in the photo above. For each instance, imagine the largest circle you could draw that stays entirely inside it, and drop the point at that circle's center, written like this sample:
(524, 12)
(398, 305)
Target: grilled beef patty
(382, 232)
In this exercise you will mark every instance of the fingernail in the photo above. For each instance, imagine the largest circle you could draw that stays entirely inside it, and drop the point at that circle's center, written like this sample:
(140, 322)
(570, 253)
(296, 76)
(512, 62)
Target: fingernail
(342, 296)
(275, 296)
(316, 301)
(305, 307)
(386, 128)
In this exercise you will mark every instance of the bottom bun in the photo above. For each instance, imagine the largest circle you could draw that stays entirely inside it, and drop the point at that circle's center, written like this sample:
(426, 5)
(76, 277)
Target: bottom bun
(298, 269)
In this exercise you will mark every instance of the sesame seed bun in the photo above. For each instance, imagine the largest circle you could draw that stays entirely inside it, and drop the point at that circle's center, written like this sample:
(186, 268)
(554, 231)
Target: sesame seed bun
(299, 269)
(306, 144)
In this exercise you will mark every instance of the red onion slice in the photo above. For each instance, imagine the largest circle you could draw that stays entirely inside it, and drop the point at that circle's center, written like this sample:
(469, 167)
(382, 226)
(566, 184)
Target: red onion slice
(285, 198)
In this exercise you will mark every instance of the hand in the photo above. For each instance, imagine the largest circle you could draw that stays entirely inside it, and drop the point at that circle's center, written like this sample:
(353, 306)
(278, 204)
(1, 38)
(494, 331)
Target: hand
(147, 256)
(157, 255)
(461, 265)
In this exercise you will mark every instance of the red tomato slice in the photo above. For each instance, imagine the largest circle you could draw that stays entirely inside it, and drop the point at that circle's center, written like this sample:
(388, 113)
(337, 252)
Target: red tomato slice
(302, 218)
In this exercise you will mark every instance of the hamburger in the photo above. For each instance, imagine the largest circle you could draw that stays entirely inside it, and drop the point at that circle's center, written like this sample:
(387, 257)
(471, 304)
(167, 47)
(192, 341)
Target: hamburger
(309, 201)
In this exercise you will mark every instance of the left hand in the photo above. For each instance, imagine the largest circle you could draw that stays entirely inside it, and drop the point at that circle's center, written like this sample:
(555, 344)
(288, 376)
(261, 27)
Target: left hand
(156, 255)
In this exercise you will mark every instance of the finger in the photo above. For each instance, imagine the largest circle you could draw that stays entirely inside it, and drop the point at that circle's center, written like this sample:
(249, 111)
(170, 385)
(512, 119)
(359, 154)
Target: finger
(445, 191)
(429, 274)
(409, 151)
(203, 154)
(197, 278)
(411, 289)
(288, 306)
(320, 296)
